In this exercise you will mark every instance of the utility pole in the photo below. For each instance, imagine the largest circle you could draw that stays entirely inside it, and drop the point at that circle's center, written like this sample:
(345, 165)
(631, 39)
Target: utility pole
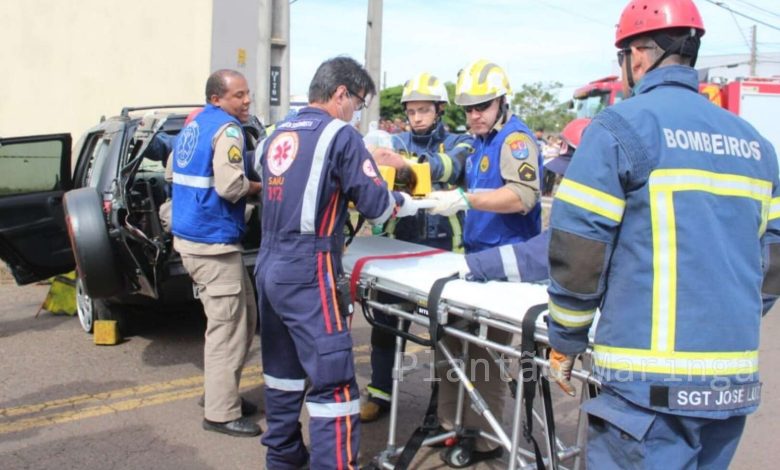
(753, 51)
(279, 98)
(373, 60)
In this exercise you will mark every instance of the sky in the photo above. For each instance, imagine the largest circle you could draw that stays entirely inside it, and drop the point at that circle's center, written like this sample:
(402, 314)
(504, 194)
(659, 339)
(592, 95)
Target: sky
(568, 41)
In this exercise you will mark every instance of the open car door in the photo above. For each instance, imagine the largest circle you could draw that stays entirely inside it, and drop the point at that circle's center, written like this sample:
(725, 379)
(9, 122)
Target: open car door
(34, 175)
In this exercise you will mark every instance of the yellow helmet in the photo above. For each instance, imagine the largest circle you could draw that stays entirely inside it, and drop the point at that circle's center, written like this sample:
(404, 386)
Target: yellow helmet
(481, 81)
(424, 87)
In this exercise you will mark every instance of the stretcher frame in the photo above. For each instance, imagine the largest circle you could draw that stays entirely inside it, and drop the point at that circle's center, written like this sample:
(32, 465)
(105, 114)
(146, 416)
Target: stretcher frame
(412, 311)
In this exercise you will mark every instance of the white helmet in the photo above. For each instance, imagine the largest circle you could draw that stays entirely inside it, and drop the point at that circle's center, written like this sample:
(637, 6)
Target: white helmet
(481, 81)
(424, 87)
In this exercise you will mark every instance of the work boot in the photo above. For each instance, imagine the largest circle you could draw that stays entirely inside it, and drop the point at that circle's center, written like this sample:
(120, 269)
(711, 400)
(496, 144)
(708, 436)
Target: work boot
(247, 408)
(372, 411)
(240, 427)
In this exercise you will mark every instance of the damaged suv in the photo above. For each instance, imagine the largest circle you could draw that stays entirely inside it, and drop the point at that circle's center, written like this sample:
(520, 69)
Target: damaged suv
(100, 214)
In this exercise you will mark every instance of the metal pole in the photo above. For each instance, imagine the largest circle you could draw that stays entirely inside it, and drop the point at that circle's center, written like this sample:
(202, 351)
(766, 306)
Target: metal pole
(753, 51)
(263, 77)
(373, 59)
(280, 57)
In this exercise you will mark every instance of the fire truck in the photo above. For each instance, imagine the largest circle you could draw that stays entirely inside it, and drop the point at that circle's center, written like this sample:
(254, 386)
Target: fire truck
(757, 100)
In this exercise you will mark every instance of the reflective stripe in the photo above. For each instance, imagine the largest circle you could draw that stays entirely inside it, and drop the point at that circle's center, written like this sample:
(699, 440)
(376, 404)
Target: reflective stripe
(571, 318)
(663, 184)
(258, 156)
(333, 410)
(509, 261)
(203, 182)
(591, 199)
(285, 385)
(387, 213)
(312, 188)
(481, 190)
(378, 394)
(676, 362)
(446, 163)
(714, 183)
(774, 208)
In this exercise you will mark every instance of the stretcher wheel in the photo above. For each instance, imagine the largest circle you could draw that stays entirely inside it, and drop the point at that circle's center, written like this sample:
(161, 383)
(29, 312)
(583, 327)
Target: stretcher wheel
(456, 457)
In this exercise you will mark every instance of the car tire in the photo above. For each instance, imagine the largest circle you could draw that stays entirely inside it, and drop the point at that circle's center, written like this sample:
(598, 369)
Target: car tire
(91, 244)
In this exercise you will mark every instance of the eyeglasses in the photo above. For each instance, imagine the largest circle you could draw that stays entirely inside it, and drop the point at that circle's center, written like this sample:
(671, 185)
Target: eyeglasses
(480, 108)
(362, 104)
(621, 54)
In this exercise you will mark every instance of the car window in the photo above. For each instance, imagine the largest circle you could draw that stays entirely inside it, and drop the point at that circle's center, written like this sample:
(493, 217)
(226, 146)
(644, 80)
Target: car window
(27, 167)
(97, 158)
(94, 148)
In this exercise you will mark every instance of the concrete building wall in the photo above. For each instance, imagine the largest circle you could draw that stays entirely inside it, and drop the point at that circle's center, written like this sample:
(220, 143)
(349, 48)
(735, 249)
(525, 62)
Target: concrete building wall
(66, 63)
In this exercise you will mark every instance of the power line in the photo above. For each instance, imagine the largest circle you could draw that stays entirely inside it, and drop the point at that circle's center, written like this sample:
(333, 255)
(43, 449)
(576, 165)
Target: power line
(725, 7)
(759, 8)
(742, 33)
(578, 15)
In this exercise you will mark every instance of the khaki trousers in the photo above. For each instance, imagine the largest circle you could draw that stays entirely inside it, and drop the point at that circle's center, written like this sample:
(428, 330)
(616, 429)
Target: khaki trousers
(487, 379)
(231, 311)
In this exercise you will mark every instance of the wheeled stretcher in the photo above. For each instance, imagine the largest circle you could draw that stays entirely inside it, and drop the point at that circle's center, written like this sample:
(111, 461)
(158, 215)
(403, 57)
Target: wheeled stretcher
(409, 273)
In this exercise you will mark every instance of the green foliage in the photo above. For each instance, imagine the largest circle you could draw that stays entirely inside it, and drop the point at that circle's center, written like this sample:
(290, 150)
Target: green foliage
(537, 105)
(453, 114)
(390, 103)
(390, 106)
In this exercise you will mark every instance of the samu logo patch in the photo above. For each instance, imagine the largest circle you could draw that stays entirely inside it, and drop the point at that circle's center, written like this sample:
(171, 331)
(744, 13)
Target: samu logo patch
(282, 152)
(185, 145)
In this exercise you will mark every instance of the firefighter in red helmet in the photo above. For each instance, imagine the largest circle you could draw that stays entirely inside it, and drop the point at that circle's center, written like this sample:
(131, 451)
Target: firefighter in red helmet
(668, 224)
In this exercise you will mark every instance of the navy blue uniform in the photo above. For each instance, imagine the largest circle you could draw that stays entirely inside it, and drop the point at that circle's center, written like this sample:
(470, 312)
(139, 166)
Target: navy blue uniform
(312, 167)
(676, 202)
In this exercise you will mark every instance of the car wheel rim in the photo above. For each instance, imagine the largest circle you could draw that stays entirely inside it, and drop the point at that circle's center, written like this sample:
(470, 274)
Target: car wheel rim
(85, 307)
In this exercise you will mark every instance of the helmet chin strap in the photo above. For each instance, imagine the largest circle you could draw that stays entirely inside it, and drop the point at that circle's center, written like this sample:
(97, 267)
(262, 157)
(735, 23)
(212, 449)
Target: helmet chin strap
(685, 46)
(629, 72)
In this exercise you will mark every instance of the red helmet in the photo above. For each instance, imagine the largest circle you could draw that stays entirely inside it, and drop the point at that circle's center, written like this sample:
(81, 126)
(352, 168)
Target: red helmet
(192, 115)
(572, 133)
(644, 16)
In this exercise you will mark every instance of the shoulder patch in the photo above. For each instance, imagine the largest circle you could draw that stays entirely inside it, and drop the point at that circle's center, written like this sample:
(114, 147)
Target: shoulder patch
(233, 131)
(234, 154)
(519, 144)
(282, 152)
(526, 172)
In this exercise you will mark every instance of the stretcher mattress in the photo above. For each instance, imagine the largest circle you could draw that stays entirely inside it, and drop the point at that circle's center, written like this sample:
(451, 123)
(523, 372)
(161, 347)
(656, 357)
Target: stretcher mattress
(507, 301)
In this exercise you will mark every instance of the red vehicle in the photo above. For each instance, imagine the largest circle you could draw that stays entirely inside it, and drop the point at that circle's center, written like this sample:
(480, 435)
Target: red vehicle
(757, 100)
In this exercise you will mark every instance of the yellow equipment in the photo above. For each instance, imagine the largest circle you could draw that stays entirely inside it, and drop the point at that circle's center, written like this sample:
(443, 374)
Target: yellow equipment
(61, 298)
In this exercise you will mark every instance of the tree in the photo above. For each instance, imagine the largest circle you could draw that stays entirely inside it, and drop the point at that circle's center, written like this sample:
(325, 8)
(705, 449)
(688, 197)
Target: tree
(390, 106)
(537, 105)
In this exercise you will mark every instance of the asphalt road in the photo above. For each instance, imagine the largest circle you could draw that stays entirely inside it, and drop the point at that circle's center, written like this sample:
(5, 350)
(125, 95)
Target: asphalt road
(66, 403)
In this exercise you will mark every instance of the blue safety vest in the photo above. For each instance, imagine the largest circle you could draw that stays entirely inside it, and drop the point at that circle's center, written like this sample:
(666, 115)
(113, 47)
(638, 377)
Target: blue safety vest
(683, 194)
(483, 173)
(199, 213)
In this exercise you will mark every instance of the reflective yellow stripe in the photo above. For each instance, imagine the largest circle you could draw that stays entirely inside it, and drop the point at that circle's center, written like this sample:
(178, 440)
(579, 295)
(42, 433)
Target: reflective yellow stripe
(714, 183)
(676, 362)
(591, 200)
(774, 208)
(663, 184)
(571, 318)
(446, 163)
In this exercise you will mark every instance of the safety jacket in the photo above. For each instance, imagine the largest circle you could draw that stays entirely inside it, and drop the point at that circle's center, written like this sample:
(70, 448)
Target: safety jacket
(483, 173)
(519, 262)
(199, 213)
(446, 154)
(676, 203)
(312, 167)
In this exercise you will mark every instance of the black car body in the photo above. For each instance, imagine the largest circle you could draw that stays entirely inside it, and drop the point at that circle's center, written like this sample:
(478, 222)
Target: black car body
(100, 212)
